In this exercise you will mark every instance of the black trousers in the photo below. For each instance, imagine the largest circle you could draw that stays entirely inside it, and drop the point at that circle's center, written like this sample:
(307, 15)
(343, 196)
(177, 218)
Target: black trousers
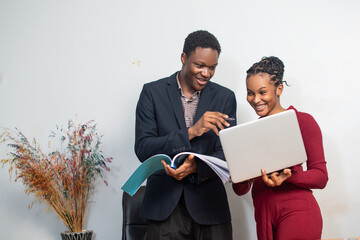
(180, 226)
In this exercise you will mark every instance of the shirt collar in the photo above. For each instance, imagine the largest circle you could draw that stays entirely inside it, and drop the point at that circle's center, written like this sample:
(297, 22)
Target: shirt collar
(196, 94)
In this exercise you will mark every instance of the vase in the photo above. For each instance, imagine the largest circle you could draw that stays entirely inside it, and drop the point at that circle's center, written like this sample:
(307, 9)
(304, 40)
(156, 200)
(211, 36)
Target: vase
(83, 235)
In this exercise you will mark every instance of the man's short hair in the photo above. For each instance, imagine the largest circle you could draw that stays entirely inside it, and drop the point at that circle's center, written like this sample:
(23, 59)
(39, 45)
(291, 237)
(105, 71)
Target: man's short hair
(202, 39)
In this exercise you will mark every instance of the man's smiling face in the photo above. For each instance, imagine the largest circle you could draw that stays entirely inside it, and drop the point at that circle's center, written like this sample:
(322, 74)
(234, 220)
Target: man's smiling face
(198, 68)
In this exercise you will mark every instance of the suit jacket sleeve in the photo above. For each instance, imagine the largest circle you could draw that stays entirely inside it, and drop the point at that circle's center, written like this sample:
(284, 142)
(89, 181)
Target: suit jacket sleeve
(203, 170)
(160, 124)
(148, 142)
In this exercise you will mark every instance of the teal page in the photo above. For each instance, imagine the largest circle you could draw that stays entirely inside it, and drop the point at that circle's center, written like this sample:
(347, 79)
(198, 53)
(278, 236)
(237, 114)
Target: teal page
(147, 168)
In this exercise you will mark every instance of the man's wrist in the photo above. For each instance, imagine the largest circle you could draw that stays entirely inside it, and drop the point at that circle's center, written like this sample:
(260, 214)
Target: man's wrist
(191, 133)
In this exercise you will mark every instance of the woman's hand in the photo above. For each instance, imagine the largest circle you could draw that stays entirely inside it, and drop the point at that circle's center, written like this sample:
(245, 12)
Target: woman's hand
(275, 179)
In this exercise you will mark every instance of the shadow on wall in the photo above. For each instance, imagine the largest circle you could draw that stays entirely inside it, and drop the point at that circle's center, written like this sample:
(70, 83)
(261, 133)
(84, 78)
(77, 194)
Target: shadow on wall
(335, 190)
(242, 214)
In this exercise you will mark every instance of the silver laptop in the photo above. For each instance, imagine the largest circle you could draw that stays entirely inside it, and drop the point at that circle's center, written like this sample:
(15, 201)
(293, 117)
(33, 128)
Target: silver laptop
(272, 143)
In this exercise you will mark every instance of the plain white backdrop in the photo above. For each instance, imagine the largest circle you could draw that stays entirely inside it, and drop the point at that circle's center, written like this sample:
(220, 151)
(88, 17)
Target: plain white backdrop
(88, 59)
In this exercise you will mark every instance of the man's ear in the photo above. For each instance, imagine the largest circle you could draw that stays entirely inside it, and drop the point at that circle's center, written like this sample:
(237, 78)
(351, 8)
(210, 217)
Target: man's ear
(183, 58)
(279, 90)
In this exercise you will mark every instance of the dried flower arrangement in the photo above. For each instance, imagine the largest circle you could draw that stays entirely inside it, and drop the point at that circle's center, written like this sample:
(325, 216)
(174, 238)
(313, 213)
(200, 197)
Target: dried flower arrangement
(64, 178)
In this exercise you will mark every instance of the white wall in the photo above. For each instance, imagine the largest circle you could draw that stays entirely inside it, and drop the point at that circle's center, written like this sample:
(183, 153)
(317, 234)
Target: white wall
(88, 59)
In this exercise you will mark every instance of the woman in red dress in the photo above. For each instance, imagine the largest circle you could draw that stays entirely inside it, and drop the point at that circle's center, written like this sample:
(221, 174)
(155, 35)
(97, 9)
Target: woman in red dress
(285, 207)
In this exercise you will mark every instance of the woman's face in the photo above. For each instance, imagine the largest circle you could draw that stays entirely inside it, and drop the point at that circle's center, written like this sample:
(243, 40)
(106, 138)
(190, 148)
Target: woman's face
(262, 94)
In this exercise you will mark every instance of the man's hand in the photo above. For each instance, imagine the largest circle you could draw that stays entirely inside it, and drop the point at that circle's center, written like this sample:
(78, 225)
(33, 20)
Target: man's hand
(210, 120)
(276, 178)
(188, 167)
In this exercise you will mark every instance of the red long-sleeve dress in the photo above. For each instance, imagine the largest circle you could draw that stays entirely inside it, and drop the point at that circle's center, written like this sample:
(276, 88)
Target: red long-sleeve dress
(290, 210)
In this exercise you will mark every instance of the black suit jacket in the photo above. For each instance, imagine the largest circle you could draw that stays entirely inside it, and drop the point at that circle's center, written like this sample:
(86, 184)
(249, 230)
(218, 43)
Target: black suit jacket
(160, 128)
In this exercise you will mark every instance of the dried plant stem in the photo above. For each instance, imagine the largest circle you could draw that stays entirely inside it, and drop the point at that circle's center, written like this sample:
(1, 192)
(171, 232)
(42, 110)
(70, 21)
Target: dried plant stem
(64, 180)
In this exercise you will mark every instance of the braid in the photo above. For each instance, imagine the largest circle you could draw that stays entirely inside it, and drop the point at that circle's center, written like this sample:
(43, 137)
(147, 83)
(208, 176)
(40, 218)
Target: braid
(270, 65)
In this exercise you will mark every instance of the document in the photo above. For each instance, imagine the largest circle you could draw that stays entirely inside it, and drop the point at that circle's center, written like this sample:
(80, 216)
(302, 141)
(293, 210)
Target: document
(153, 164)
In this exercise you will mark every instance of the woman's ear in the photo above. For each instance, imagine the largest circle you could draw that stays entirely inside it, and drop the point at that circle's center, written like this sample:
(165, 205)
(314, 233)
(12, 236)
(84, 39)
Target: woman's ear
(279, 90)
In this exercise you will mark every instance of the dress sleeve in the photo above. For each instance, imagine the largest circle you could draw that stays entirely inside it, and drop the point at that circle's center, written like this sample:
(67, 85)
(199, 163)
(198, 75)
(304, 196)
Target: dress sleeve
(241, 188)
(315, 177)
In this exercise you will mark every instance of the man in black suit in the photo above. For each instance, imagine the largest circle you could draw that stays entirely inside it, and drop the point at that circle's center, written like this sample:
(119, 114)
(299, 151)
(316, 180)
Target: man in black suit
(184, 112)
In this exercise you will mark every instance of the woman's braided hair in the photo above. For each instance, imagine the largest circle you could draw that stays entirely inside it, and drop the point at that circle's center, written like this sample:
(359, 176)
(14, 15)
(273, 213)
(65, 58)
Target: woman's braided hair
(270, 65)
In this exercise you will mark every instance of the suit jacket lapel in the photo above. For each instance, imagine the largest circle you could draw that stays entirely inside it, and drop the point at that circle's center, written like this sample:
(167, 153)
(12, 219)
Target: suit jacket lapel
(205, 99)
(174, 96)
